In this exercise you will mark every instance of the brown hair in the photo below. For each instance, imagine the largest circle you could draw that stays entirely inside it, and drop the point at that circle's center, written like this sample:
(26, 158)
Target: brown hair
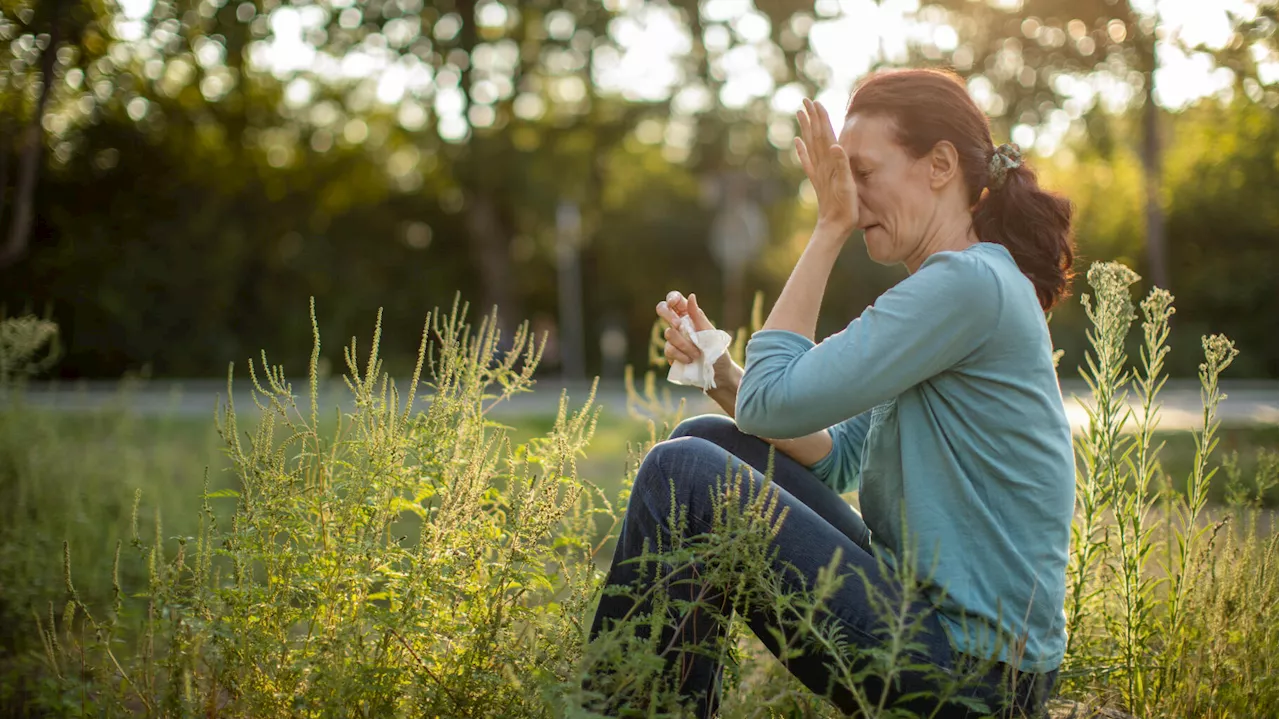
(929, 106)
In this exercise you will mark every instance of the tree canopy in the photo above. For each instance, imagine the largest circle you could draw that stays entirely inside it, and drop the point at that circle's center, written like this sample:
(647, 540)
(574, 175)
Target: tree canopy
(191, 171)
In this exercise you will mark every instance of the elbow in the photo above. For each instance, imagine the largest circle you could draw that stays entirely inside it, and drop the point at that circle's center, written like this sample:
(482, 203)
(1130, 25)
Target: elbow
(754, 418)
(747, 413)
(751, 423)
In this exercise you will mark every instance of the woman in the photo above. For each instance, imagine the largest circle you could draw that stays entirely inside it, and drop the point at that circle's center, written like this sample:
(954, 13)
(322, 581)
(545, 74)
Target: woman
(940, 403)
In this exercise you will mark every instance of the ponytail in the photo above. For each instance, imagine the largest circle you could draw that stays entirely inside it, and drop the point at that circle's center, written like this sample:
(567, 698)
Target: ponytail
(1034, 225)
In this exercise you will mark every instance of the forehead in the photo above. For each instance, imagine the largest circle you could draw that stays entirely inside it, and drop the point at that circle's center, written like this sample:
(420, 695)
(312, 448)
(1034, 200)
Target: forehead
(869, 137)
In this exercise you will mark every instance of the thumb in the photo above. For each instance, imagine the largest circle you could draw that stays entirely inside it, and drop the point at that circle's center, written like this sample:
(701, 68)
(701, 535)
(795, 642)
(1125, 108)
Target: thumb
(700, 321)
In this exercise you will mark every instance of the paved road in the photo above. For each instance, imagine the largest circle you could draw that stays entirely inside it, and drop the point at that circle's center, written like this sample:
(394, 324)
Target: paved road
(1247, 402)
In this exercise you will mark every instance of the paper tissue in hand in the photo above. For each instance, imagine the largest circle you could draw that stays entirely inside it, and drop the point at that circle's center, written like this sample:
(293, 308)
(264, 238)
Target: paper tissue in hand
(700, 373)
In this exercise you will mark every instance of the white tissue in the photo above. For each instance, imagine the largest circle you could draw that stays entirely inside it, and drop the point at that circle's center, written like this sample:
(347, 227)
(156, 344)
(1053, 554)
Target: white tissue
(700, 373)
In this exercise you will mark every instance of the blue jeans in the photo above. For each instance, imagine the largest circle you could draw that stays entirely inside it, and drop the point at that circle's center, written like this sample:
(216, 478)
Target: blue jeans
(817, 523)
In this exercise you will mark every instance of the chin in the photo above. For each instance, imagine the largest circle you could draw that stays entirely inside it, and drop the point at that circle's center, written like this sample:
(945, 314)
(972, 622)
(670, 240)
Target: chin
(881, 255)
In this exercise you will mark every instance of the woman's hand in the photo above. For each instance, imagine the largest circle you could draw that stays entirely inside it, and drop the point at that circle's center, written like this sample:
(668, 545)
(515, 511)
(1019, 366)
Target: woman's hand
(828, 169)
(679, 348)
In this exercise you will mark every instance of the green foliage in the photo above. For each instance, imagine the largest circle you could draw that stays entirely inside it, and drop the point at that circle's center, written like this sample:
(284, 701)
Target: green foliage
(28, 346)
(73, 478)
(412, 560)
(187, 196)
(403, 564)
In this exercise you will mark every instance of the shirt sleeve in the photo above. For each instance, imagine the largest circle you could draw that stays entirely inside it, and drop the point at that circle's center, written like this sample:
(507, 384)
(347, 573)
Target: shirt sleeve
(841, 469)
(924, 325)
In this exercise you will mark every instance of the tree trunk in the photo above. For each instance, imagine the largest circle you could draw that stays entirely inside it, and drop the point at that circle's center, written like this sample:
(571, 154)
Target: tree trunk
(489, 242)
(490, 251)
(1157, 252)
(5, 151)
(32, 144)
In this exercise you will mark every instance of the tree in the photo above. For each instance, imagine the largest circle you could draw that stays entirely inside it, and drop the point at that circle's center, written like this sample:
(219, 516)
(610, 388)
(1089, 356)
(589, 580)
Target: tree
(44, 31)
(1024, 50)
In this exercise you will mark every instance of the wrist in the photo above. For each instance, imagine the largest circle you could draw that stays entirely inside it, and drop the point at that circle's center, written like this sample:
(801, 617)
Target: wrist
(728, 375)
(831, 232)
(724, 397)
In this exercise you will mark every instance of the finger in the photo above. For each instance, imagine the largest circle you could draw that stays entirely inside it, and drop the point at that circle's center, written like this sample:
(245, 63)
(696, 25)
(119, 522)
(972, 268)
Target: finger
(843, 174)
(826, 131)
(803, 117)
(674, 354)
(677, 339)
(676, 302)
(839, 160)
(700, 321)
(803, 153)
(669, 315)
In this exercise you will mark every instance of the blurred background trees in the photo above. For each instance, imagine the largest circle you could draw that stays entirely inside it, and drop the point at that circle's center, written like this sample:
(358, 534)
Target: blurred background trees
(178, 176)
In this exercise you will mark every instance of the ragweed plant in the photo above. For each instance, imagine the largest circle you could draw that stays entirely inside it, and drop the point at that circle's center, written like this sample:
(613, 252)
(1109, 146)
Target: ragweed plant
(407, 563)
(406, 558)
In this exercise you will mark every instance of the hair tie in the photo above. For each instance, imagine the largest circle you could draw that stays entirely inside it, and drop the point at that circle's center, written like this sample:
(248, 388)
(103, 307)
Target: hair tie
(1005, 158)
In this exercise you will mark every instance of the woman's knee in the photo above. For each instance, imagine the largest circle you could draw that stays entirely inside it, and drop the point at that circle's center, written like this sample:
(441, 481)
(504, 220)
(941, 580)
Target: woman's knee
(670, 461)
(706, 426)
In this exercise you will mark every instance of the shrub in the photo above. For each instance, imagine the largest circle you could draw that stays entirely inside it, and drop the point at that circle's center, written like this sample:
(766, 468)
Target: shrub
(401, 565)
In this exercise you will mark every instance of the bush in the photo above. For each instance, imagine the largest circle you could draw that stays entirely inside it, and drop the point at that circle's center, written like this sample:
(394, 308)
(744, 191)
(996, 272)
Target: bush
(402, 565)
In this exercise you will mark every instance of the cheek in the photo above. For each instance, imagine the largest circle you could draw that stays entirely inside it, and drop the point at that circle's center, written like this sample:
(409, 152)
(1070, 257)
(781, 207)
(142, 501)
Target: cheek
(902, 206)
(869, 198)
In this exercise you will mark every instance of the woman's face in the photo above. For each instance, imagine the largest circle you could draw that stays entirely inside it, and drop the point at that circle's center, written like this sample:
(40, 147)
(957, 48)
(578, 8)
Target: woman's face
(895, 200)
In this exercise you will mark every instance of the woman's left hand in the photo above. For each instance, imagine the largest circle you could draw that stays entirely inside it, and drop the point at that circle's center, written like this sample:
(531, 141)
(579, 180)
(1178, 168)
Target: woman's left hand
(827, 166)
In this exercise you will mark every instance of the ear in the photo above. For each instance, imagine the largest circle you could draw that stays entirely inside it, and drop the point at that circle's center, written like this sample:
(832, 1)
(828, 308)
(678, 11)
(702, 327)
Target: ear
(944, 164)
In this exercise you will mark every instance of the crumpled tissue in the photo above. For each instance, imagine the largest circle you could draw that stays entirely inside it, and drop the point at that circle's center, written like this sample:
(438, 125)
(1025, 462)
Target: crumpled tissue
(700, 373)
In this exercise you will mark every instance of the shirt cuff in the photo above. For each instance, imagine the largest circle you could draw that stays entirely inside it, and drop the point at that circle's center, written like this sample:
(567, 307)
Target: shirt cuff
(778, 342)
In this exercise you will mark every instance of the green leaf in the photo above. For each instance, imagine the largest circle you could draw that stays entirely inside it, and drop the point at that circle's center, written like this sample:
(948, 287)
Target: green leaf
(223, 493)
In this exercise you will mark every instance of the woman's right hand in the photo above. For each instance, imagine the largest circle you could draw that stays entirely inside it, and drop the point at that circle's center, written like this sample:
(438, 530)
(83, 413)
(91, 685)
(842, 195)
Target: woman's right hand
(827, 166)
(678, 347)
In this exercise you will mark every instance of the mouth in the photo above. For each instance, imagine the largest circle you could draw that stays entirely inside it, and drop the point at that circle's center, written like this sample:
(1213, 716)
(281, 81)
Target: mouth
(870, 227)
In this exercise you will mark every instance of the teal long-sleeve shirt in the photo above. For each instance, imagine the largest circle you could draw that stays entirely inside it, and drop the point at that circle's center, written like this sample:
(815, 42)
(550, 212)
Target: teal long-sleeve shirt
(944, 411)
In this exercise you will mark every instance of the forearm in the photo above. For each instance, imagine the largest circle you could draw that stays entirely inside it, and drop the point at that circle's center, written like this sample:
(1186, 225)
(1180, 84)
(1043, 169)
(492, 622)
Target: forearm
(728, 375)
(797, 307)
(806, 450)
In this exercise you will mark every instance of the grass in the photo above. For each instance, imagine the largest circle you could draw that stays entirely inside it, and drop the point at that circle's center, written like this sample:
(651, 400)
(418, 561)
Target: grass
(395, 563)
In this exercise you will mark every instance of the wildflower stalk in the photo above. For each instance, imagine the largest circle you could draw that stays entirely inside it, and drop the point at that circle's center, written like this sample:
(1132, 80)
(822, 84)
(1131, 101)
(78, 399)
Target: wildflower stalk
(1180, 568)
(1101, 449)
(1136, 626)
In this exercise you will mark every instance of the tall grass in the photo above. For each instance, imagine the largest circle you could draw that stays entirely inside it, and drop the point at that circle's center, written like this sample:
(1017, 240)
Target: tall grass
(409, 559)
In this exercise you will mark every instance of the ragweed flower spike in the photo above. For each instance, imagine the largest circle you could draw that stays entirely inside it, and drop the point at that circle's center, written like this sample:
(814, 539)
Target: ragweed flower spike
(1005, 158)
